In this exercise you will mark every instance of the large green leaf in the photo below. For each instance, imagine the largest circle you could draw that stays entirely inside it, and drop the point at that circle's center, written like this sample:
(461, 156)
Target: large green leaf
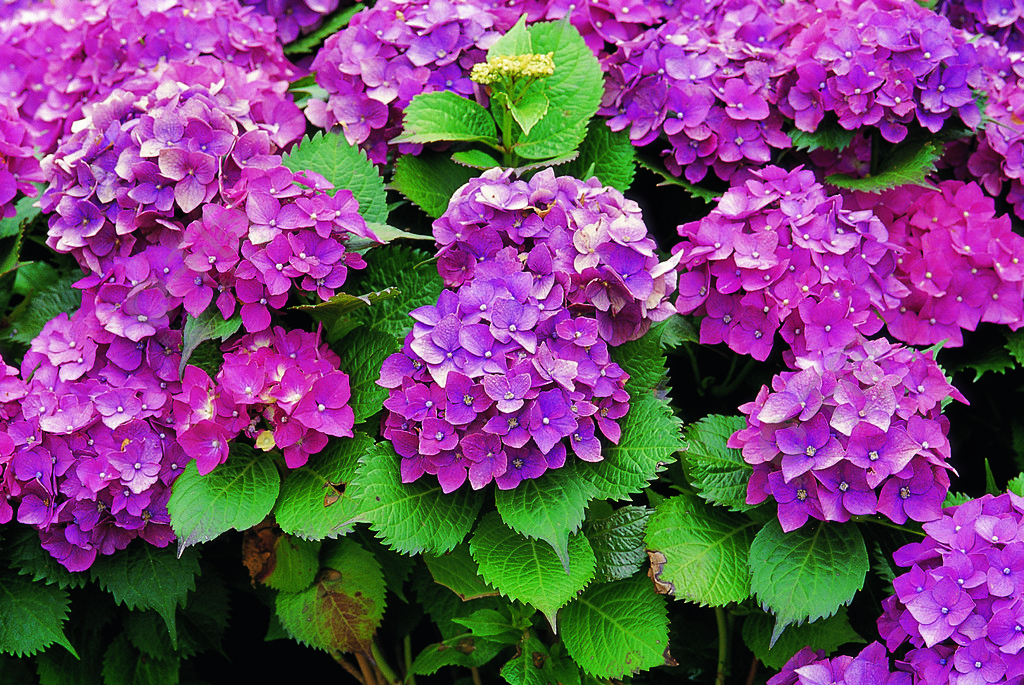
(548, 508)
(617, 629)
(574, 92)
(806, 574)
(464, 650)
(699, 553)
(606, 154)
(644, 361)
(237, 494)
(346, 166)
(210, 325)
(444, 115)
(362, 358)
(649, 441)
(124, 664)
(909, 164)
(457, 571)
(537, 664)
(314, 502)
(410, 517)
(828, 634)
(618, 542)
(25, 555)
(147, 577)
(32, 615)
(529, 570)
(828, 136)
(43, 304)
(341, 611)
(413, 273)
(429, 180)
(717, 472)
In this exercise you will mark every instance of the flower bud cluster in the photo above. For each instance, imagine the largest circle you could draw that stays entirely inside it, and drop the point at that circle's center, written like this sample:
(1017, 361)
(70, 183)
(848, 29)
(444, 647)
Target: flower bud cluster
(961, 263)
(601, 254)
(853, 432)
(809, 667)
(166, 170)
(71, 52)
(778, 252)
(394, 51)
(507, 67)
(961, 604)
(281, 388)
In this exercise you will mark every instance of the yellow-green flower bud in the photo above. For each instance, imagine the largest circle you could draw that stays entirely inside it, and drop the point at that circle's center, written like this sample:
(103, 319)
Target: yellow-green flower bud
(506, 67)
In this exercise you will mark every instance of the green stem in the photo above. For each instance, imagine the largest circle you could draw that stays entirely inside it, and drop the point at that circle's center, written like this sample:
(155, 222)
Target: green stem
(506, 136)
(732, 379)
(410, 679)
(723, 645)
(382, 664)
(877, 520)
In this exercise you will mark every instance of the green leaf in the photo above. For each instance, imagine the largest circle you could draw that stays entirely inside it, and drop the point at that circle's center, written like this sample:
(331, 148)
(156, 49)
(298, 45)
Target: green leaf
(337, 314)
(548, 508)
(332, 23)
(616, 629)
(342, 610)
(125, 665)
(700, 553)
(679, 329)
(717, 472)
(644, 361)
(363, 362)
(237, 494)
(618, 542)
(529, 570)
(1014, 345)
(649, 441)
(994, 359)
(346, 166)
(32, 615)
(828, 634)
(991, 487)
(909, 164)
(429, 180)
(806, 574)
(530, 109)
(446, 116)
(828, 136)
(516, 41)
(1016, 485)
(25, 212)
(314, 502)
(537, 664)
(297, 562)
(46, 303)
(411, 272)
(457, 571)
(699, 192)
(201, 623)
(209, 326)
(146, 577)
(24, 554)
(606, 154)
(461, 650)
(954, 499)
(493, 625)
(574, 92)
(411, 517)
(476, 159)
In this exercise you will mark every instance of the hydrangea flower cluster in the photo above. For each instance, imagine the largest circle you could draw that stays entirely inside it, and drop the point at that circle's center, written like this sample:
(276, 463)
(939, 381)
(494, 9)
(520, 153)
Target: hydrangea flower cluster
(601, 253)
(716, 84)
(64, 53)
(706, 81)
(852, 432)
(170, 178)
(961, 604)
(546, 275)
(19, 168)
(12, 391)
(1001, 19)
(779, 253)
(394, 51)
(294, 17)
(870, 667)
(961, 264)
(94, 456)
(287, 378)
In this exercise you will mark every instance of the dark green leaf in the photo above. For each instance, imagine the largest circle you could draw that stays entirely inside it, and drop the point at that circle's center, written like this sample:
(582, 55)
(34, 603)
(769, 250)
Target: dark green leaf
(314, 502)
(443, 116)
(125, 665)
(25, 555)
(618, 542)
(828, 136)
(429, 180)
(909, 164)
(828, 634)
(238, 494)
(416, 278)
(1015, 345)
(644, 361)
(606, 154)
(537, 664)
(457, 571)
(332, 23)
(707, 195)
(32, 615)
(717, 471)
(49, 301)
(362, 359)
(462, 650)
(209, 326)
(346, 166)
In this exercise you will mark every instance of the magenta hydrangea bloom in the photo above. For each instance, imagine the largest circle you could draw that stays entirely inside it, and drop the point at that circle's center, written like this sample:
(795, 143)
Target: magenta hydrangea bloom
(961, 604)
(960, 265)
(870, 667)
(294, 17)
(852, 432)
(779, 254)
